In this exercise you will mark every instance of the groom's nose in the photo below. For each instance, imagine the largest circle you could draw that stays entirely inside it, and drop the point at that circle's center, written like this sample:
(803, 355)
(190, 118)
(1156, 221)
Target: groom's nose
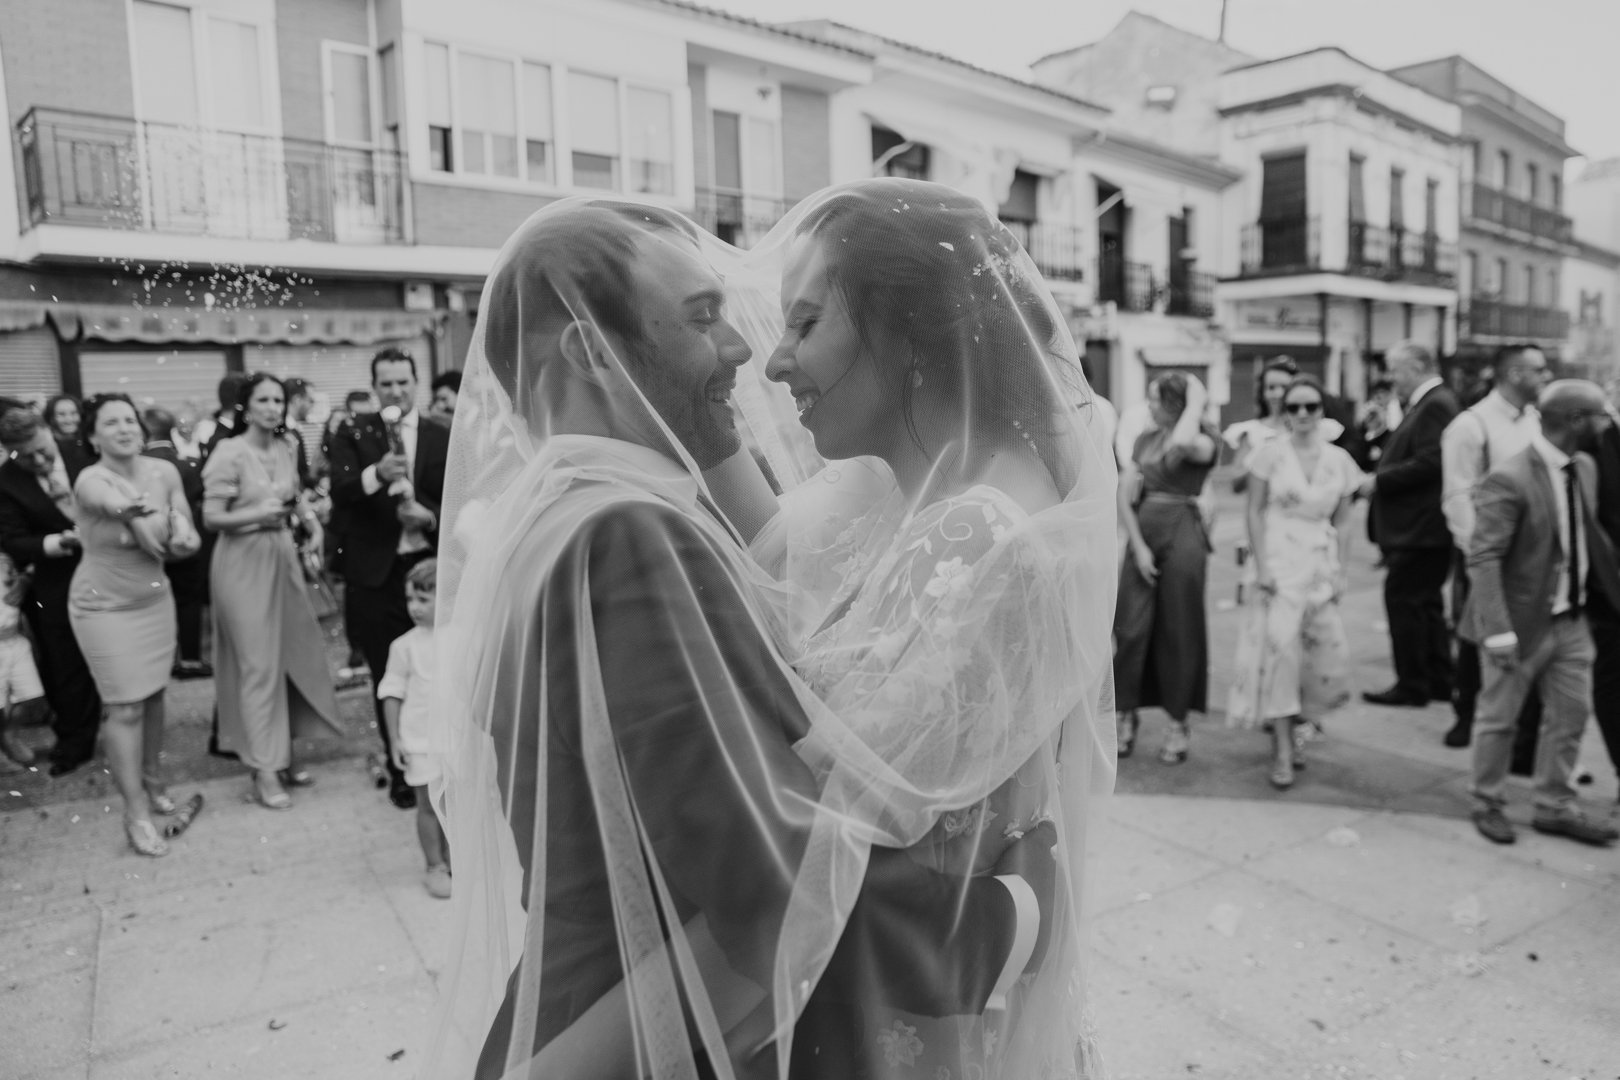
(734, 348)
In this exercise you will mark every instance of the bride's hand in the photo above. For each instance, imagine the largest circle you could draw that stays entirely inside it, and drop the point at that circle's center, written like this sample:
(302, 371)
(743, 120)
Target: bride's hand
(1144, 562)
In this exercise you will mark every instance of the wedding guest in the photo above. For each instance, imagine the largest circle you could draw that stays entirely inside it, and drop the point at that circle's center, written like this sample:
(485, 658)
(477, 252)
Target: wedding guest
(389, 494)
(1247, 436)
(1538, 557)
(213, 432)
(446, 385)
(300, 400)
(133, 514)
(406, 692)
(37, 530)
(62, 416)
(1162, 649)
(22, 694)
(1499, 425)
(1603, 617)
(1293, 657)
(184, 436)
(269, 659)
(1412, 533)
(189, 576)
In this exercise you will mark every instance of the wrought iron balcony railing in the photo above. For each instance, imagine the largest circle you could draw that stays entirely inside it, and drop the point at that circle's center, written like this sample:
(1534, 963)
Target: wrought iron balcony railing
(1397, 254)
(1510, 211)
(1057, 249)
(1191, 293)
(115, 173)
(1130, 285)
(1282, 245)
(1485, 316)
(737, 218)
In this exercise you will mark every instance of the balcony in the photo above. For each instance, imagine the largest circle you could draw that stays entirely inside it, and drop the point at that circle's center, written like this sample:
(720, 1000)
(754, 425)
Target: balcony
(739, 219)
(1511, 212)
(1191, 293)
(108, 172)
(1294, 246)
(1055, 248)
(1129, 285)
(1487, 317)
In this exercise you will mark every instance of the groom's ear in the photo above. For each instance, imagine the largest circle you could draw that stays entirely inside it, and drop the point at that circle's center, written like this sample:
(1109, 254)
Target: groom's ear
(584, 350)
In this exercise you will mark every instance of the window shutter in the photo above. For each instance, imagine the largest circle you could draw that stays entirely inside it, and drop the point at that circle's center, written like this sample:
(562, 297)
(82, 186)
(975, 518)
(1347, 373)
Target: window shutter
(1282, 188)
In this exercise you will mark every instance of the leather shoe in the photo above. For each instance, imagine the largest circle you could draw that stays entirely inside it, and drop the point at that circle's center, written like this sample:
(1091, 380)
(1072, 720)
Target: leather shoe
(62, 768)
(1460, 735)
(1494, 826)
(192, 669)
(1576, 826)
(401, 795)
(1394, 697)
(14, 748)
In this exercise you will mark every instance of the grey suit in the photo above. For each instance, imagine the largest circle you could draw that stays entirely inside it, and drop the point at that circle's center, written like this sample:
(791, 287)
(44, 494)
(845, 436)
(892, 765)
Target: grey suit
(1515, 568)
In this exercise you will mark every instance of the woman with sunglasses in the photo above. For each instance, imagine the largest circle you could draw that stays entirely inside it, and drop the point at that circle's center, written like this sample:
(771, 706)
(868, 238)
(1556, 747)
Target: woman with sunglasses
(1293, 658)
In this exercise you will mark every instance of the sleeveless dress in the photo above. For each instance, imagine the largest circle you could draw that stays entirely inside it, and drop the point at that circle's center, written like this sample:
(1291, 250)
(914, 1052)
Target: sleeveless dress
(270, 664)
(1161, 655)
(1293, 658)
(119, 602)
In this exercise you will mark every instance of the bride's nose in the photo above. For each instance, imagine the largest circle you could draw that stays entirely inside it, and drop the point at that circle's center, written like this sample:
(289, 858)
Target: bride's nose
(780, 365)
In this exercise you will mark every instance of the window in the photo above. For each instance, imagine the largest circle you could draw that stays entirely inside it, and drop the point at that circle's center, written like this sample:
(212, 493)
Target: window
(538, 138)
(1500, 285)
(650, 141)
(1532, 181)
(238, 84)
(1470, 283)
(1431, 207)
(894, 155)
(486, 105)
(593, 123)
(1557, 191)
(764, 158)
(1530, 285)
(165, 64)
(388, 63)
(727, 150)
(348, 96)
(1021, 198)
(1504, 170)
(1397, 199)
(1476, 154)
(441, 157)
(1358, 189)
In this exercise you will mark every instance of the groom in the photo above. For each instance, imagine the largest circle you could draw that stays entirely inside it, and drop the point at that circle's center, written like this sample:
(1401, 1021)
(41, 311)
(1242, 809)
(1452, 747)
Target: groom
(704, 746)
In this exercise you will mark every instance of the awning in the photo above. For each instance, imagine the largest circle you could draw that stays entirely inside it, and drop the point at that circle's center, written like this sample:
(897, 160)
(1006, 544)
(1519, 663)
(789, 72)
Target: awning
(262, 326)
(21, 315)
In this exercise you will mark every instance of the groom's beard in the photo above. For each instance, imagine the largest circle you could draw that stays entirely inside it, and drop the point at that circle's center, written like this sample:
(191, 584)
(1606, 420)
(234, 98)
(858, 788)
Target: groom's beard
(706, 430)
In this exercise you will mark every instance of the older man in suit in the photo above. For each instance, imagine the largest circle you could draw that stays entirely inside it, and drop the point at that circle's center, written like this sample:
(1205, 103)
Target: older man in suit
(1538, 557)
(1411, 530)
(37, 531)
(387, 483)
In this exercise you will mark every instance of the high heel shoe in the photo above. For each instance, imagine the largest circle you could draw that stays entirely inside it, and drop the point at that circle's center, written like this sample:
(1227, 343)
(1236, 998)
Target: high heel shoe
(144, 838)
(157, 793)
(1177, 744)
(1125, 729)
(268, 792)
(1282, 773)
(183, 816)
(295, 776)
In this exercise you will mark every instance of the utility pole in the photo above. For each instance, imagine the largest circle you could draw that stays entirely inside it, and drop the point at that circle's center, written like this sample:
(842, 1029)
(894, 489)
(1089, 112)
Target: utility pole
(1222, 37)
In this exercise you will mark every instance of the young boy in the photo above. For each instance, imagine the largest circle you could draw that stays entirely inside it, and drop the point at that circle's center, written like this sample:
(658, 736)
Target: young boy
(406, 691)
(21, 692)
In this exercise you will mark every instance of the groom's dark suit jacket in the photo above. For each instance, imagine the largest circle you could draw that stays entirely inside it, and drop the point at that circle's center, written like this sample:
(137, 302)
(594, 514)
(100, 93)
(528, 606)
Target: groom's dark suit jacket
(704, 750)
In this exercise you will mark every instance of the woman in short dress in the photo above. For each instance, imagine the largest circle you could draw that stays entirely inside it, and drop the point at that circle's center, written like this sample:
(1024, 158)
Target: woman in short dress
(1161, 655)
(1292, 657)
(132, 514)
(269, 659)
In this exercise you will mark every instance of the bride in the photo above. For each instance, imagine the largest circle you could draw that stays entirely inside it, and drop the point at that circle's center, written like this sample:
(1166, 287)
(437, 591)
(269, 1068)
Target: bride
(956, 563)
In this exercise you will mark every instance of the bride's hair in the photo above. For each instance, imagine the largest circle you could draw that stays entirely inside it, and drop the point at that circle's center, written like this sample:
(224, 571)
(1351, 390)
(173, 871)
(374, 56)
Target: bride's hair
(938, 294)
(570, 265)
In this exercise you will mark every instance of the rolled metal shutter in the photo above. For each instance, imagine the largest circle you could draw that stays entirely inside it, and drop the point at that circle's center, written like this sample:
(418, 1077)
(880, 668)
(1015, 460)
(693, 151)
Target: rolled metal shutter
(29, 364)
(166, 377)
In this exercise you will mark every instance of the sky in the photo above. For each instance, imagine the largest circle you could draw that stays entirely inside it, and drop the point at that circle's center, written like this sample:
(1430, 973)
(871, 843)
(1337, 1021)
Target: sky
(1562, 54)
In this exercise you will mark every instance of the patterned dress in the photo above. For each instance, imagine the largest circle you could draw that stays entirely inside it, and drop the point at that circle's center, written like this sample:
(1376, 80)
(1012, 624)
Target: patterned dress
(1292, 656)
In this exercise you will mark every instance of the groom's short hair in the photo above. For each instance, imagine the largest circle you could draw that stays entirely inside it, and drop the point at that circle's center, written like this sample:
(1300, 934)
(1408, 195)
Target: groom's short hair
(567, 265)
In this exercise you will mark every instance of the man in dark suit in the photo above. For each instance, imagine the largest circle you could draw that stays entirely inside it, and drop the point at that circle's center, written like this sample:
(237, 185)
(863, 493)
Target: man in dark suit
(1538, 558)
(387, 483)
(1411, 531)
(188, 577)
(37, 531)
(1602, 617)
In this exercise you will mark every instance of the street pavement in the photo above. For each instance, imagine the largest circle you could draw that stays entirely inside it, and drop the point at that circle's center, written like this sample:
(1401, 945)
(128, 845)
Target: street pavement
(1353, 927)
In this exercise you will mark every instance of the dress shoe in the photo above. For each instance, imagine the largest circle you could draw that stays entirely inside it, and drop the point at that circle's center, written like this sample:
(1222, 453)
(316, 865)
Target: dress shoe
(1519, 767)
(1395, 697)
(14, 748)
(1494, 826)
(401, 795)
(1576, 826)
(192, 669)
(1441, 695)
(61, 767)
(1460, 735)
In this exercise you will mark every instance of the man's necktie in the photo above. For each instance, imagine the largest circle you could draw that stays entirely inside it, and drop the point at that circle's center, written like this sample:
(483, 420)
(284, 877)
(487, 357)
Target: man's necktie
(1572, 557)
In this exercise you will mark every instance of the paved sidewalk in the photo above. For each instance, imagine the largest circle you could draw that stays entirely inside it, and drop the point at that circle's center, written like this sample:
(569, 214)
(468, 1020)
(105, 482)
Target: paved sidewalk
(1354, 927)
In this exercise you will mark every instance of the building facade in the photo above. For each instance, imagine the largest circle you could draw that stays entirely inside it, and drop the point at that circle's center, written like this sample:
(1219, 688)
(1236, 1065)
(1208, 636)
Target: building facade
(1515, 233)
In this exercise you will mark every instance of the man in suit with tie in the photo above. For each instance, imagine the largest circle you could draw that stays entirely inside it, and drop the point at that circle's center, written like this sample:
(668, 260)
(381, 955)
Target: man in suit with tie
(37, 531)
(1538, 556)
(387, 483)
(1411, 530)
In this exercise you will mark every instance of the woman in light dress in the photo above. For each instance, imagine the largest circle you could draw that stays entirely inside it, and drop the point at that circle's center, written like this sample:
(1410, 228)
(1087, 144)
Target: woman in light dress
(269, 656)
(1292, 658)
(132, 514)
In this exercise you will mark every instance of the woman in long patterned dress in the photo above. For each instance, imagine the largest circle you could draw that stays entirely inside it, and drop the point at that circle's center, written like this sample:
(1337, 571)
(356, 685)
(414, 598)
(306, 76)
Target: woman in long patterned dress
(269, 660)
(132, 514)
(1161, 651)
(1292, 658)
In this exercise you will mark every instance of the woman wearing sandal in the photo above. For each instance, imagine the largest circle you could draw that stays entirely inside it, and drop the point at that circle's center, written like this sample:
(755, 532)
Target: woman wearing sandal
(1292, 657)
(269, 661)
(132, 515)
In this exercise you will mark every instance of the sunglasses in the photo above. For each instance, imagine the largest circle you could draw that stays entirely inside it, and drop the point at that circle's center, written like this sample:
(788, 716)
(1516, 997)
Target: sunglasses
(1301, 407)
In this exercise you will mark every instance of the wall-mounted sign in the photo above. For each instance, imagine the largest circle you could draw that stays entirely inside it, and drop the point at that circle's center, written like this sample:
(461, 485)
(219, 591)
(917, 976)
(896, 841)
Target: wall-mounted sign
(1282, 317)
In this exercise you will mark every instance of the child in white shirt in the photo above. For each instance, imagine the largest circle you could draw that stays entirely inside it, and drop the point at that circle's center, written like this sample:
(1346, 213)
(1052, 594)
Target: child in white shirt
(406, 691)
(21, 692)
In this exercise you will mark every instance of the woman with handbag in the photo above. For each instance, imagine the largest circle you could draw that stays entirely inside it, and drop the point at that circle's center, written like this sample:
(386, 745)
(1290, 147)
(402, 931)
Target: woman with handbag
(269, 661)
(132, 515)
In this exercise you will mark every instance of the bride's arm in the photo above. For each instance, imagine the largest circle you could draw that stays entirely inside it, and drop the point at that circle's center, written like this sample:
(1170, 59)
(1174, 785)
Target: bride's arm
(743, 494)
